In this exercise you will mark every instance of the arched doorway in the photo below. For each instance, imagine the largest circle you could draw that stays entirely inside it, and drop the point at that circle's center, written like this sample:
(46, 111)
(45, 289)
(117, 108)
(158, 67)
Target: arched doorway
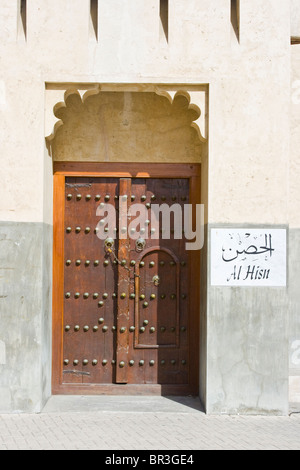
(115, 330)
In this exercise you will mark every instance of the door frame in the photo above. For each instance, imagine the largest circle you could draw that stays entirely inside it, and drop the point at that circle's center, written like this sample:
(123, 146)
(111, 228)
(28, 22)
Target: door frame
(61, 170)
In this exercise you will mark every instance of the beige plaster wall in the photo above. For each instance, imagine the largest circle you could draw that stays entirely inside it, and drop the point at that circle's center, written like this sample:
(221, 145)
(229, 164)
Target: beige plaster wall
(248, 83)
(295, 18)
(294, 178)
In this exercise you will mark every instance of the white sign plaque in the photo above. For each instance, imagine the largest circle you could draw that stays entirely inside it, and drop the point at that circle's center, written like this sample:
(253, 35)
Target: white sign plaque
(248, 257)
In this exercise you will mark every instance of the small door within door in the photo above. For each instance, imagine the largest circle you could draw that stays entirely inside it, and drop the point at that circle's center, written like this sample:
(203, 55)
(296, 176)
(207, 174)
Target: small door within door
(128, 313)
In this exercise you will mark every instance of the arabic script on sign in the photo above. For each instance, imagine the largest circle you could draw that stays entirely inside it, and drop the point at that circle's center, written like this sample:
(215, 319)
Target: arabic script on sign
(254, 257)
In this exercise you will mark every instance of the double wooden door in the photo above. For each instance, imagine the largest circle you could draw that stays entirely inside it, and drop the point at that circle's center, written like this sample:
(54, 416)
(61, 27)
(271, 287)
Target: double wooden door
(125, 290)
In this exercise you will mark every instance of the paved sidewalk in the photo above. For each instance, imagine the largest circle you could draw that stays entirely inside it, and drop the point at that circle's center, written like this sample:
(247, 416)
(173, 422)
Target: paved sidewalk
(143, 423)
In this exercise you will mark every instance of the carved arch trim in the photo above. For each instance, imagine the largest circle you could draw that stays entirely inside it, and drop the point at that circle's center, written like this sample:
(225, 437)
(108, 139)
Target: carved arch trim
(57, 96)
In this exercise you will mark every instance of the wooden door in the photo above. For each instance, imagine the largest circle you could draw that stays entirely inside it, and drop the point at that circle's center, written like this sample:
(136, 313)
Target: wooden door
(125, 313)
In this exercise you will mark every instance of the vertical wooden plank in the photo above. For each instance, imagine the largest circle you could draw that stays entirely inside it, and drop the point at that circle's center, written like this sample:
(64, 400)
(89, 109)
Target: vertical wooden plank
(91, 343)
(194, 275)
(58, 275)
(123, 286)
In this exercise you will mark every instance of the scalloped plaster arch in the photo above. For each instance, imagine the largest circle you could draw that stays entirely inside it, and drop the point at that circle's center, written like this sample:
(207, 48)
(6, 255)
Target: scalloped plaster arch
(196, 98)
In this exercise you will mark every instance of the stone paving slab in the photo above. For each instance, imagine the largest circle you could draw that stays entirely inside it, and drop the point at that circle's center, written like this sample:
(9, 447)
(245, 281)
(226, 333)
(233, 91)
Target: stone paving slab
(170, 425)
(144, 404)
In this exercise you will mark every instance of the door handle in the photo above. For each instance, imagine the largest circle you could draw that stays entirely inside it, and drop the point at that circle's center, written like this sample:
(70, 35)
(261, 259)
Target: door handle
(140, 244)
(109, 242)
